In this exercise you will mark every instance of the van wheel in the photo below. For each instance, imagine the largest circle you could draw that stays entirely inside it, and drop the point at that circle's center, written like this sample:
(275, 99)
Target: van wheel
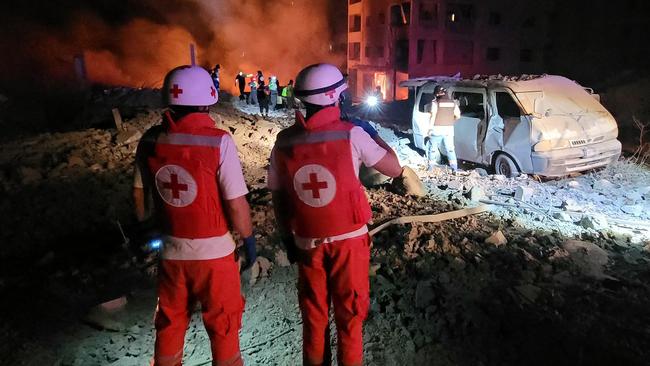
(504, 165)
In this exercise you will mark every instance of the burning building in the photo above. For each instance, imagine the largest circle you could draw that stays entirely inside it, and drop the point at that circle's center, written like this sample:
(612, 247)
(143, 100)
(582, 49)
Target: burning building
(390, 41)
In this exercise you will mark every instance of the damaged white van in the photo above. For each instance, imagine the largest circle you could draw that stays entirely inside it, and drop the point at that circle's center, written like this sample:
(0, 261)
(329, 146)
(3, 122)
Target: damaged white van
(546, 125)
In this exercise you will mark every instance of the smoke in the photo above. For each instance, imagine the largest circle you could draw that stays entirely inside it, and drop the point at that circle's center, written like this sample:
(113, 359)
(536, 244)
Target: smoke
(135, 42)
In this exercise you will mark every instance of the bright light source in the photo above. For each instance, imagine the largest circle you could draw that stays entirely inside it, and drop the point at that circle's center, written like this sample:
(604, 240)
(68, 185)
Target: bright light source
(372, 101)
(155, 243)
(453, 17)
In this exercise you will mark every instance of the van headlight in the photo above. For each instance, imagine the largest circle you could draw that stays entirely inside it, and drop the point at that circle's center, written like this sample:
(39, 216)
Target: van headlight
(548, 145)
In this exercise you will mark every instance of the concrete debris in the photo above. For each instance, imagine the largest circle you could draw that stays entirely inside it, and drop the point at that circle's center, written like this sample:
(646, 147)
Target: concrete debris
(603, 185)
(127, 137)
(497, 239)
(102, 315)
(409, 183)
(423, 294)
(30, 175)
(259, 270)
(75, 160)
(590, 258)
(595, 222)
(281, 259)
(476, 194)
(563, 216)
(571, 205)
(634, 210)
(573, 184)
(524, 193)
(481, 172)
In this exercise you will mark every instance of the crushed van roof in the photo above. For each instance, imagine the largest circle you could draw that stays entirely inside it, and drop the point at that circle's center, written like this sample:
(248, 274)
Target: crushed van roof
(519, 83)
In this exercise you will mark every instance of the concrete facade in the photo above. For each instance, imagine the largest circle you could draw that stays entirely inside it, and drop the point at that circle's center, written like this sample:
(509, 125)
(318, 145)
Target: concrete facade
(390, 41)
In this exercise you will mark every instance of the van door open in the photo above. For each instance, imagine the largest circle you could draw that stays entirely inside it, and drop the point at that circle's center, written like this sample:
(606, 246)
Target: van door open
(422, 114)
(469, 130)
(508, 129)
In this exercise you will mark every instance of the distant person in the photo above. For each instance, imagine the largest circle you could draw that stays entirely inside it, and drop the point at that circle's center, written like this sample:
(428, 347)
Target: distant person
(252, 97)
(273, 88)
(288, 95)
(240, 81)
(444, 113)
(263, 97)
(191, 171)
(379, 94)
(215, 77)
(260, 77)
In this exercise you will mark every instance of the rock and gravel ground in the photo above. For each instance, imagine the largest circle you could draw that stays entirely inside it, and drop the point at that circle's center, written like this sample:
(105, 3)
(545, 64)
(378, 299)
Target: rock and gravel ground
(555, 275)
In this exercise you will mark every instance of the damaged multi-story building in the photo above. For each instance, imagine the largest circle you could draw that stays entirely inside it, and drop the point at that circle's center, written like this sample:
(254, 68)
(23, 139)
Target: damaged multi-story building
(390, 41)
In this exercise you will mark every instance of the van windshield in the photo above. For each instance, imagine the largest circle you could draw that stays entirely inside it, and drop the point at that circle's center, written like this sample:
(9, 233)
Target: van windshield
(560, 98)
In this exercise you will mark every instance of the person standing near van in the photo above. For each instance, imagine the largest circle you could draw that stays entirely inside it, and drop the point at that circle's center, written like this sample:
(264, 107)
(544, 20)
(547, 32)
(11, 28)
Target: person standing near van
(444, 113)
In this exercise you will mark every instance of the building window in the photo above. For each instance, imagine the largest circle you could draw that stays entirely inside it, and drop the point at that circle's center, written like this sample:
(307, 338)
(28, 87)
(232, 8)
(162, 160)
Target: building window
(493, 54)
(494, 19)
(529, 22)
(380, 51)
(460, 17)
(428, 14)
(400, 14)
(526, 55)
(382, 18)
(426, 52)
(459, 53)
(355, 23)
(355, 51)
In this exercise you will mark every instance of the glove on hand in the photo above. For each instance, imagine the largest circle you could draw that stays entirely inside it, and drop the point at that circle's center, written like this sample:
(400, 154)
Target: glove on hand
(366, 126)
(251, 252)
(292, 250)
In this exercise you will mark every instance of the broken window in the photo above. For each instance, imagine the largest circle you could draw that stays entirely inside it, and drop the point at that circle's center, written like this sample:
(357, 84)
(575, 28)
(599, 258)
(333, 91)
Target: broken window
(354, 51)
(506, 106)
(425, 102)
(428, 14)
(460, 17)
(494, 19)
(380, 51)
(458, 52)
(493, 54)
(355, 23)
(426, 51)
(471, 104)
(402, 54)
(400, 14)
(382, 18)
(526, 55)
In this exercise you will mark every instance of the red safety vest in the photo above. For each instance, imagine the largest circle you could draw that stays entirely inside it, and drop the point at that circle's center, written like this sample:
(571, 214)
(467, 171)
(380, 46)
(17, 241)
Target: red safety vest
(315, 164)
(184, 169)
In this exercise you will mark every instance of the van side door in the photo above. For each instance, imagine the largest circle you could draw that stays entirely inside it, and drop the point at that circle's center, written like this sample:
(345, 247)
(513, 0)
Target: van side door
(469, 129)
(422, 114)
(509, 129)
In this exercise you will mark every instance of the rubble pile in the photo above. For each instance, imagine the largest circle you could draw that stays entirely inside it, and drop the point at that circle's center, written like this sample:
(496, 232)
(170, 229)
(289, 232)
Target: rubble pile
(522, 77)
(556, 273)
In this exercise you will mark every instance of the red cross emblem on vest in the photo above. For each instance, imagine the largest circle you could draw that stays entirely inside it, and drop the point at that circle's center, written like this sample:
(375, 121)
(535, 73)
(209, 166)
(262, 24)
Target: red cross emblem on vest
(314, 185)
(176, 186)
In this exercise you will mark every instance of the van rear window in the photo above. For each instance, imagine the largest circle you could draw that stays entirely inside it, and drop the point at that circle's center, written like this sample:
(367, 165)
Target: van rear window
(471, 104)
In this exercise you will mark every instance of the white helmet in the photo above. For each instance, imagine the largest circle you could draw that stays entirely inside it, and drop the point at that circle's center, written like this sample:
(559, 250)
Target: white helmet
(320, 84)
(189, 86)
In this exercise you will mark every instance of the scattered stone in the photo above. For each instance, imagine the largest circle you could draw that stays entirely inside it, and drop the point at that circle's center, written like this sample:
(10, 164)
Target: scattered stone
(603, 185)
(75, 160)
(476, 194)
(634, 210)
(573, 184)
(30, 175)
(409, 183)
(127, 137)
(563, 216)
(590, 258)
(455, 185)
(529, 292)
(571, 205)
(499, 177)
(524, 193)
(595, 222)
(374, 267)
(481, 172)
(281, 259)
(423, 294)
(96, 167)
(497, 239)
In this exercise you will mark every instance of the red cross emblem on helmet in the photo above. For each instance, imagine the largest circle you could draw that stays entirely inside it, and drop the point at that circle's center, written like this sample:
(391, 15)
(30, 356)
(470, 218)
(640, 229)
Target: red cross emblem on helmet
(176, 186)
(314, 185)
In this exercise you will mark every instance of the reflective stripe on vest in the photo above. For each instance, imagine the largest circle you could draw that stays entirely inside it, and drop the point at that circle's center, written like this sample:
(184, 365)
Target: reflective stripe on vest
(314, 137)
(189, 140)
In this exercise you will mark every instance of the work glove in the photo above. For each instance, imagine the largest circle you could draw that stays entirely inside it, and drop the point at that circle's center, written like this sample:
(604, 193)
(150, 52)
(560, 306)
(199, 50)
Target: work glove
(248, 247)
(365, 125)
(292, 250)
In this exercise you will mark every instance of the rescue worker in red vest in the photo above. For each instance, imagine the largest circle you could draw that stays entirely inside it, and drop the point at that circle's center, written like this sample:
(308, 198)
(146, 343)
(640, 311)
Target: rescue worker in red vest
(192, 170)
(444, 113)
(322, 212)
